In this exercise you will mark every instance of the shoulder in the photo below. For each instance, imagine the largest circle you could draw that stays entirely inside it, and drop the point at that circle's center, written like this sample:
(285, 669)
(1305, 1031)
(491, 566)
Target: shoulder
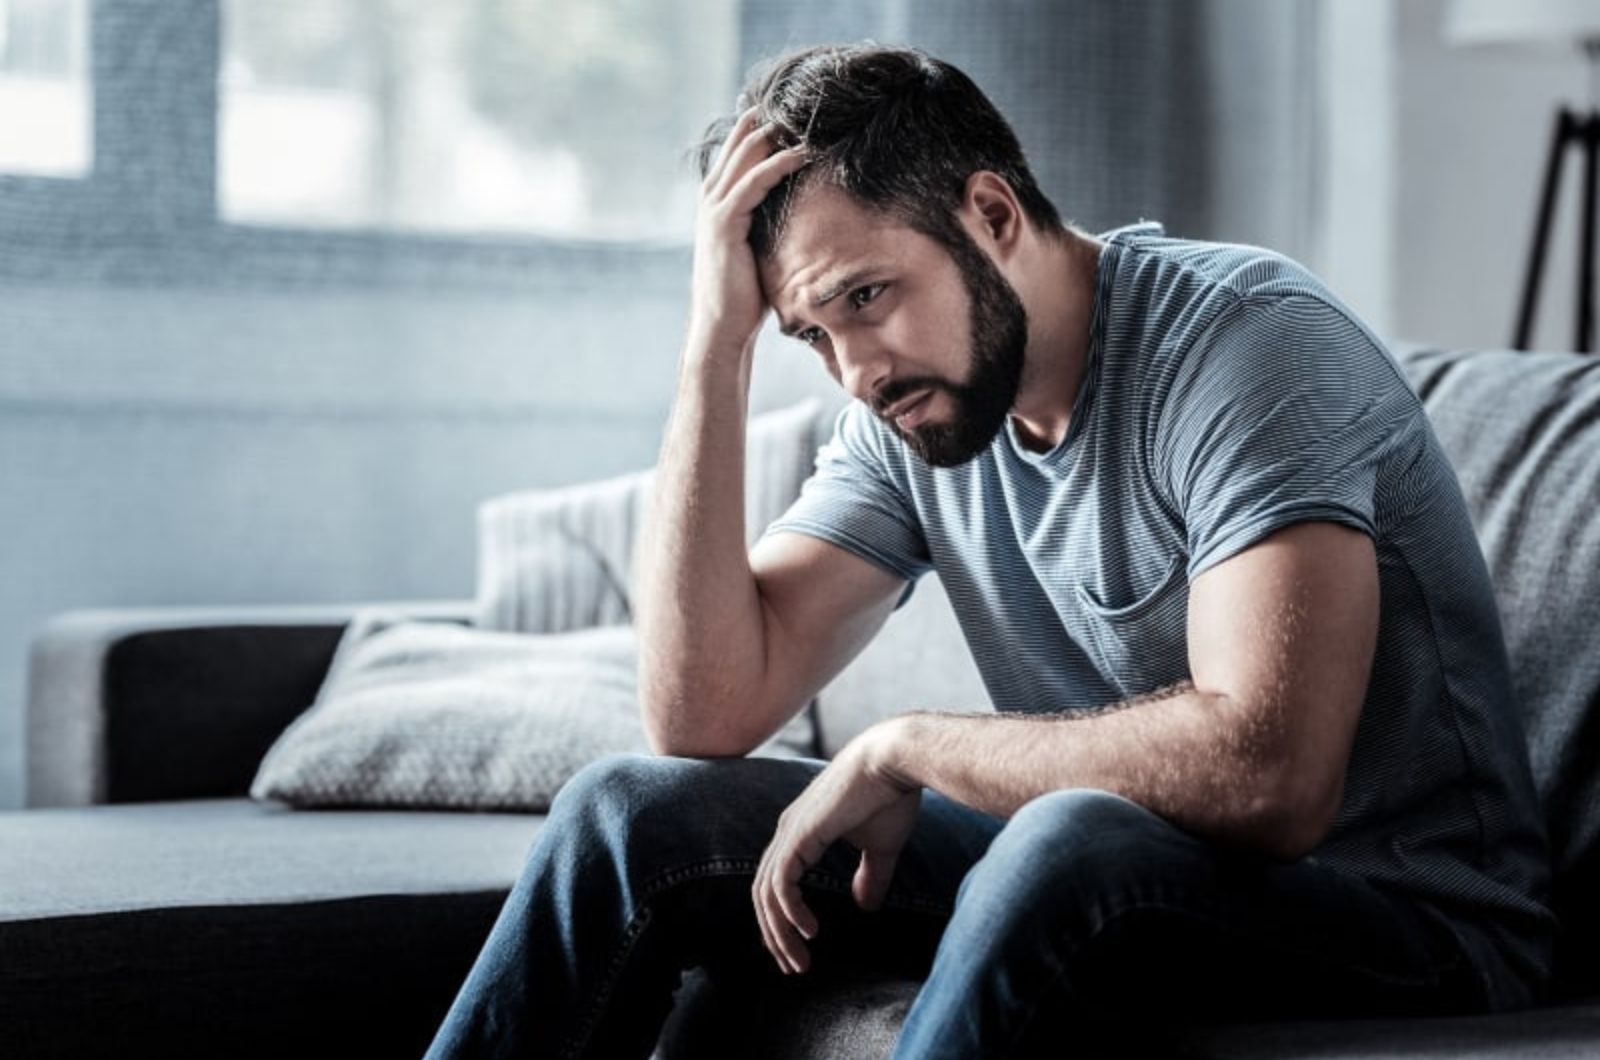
(1240, 269)
(1193, 302)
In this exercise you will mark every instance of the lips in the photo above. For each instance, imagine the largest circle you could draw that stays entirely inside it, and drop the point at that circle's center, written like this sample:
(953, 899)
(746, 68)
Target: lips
(909, 413)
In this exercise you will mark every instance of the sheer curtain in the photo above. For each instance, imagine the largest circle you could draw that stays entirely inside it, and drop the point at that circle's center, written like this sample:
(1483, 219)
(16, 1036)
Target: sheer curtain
(211, 398)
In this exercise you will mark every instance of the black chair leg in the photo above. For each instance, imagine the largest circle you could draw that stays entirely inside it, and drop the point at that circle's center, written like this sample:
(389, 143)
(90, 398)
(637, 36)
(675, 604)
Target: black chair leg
(1541, 231)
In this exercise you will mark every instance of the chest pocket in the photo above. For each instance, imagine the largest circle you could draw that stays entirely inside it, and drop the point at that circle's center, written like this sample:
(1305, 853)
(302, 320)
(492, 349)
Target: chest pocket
(1142, 644)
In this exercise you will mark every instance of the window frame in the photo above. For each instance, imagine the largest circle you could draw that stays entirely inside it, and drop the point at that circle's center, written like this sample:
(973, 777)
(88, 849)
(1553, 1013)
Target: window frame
(148, 213)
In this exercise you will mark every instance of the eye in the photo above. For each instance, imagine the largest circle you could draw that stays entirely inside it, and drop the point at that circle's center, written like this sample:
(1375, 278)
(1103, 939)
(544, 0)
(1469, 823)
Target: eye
(862, 295)
(809, 336)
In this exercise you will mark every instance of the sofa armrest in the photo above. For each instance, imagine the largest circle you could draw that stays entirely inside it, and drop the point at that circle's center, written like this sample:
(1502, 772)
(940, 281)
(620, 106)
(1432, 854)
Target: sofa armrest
(175, 703)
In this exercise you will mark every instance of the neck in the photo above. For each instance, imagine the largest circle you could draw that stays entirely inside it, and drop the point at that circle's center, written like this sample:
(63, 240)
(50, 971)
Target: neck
(1059, 296)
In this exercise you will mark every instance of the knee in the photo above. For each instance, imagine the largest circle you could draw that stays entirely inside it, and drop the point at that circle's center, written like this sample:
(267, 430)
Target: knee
(629, 799)
(621, 790)
(1082, 840)
(1083, 823)
(1089, 811)
(614, 818)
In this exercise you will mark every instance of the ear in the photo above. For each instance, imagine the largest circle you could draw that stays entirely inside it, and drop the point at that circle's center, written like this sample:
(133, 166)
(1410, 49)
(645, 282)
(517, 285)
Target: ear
(991, 213)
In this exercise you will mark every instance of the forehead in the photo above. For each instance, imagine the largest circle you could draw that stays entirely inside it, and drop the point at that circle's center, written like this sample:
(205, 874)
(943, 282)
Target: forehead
(829, 236)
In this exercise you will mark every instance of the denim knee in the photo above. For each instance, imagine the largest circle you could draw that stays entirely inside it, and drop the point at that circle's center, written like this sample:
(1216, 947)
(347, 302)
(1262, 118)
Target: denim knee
(615, 796)
(648, 808)
(1066, 848)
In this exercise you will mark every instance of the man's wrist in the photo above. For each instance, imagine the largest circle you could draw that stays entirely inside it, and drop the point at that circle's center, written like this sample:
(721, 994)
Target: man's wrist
(888, 748)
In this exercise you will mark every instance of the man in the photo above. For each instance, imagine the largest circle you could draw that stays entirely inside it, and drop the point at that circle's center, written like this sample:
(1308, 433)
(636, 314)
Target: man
(1175, 482)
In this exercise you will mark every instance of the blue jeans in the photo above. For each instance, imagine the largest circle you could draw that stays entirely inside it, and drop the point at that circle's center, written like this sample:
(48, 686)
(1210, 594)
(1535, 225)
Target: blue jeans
(1081, 919)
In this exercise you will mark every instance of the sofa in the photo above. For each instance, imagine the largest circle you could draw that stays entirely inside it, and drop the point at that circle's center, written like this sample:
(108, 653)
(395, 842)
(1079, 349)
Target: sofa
(150, 907)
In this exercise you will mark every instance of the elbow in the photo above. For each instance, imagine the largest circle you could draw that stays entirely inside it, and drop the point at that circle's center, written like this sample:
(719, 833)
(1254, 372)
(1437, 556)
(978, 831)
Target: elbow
(1295, 822)
(672, 728)
(687, 745)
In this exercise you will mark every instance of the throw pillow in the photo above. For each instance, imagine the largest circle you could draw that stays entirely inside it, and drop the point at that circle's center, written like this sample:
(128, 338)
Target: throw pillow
(430, 715)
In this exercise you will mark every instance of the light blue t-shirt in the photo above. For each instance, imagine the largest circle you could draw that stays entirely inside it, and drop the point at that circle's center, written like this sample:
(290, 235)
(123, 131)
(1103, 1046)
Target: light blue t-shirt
(1227, 394)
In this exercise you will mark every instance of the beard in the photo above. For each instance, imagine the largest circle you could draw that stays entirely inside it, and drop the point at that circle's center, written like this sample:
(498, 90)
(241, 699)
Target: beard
(979, 406)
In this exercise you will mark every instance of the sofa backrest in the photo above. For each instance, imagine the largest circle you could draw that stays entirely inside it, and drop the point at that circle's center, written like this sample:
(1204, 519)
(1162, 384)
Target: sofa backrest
(559, 559)
(1523, 433)
(918, 661)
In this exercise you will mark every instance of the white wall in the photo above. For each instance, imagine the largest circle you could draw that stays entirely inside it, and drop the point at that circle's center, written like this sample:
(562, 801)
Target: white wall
(1431, 159)
(1472, 133)
(1354, 181)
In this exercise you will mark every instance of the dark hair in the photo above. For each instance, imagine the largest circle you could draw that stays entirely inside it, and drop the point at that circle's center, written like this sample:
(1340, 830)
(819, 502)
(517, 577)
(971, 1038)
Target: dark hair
(897, 129)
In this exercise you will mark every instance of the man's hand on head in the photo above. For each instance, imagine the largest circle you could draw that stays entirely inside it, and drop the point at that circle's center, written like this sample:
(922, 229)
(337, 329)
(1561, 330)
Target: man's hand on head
(853, 800)
(728, 303)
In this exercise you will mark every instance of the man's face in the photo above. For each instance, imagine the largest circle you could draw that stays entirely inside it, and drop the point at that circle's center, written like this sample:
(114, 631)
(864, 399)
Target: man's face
(933, 342)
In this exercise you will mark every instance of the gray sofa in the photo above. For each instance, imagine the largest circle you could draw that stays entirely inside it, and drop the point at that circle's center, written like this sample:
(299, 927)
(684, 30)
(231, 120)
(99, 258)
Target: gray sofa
(149, 908)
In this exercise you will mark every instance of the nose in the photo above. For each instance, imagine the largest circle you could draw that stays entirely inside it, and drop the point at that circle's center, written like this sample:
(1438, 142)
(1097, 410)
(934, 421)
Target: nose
(864, 366)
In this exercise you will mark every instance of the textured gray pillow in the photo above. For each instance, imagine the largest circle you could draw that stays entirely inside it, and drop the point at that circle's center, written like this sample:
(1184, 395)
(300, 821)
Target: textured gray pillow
(431, 715)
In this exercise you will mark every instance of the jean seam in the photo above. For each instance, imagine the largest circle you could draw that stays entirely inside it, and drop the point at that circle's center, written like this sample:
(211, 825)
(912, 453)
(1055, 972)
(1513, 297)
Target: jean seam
(656, 885)
(1071, 948)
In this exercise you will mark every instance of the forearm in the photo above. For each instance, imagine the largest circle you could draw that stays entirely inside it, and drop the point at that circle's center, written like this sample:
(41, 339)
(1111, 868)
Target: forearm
(699, 613)
(1180, 753)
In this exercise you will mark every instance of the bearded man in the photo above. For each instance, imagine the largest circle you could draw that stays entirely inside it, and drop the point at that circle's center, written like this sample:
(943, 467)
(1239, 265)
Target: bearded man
(1254, 750)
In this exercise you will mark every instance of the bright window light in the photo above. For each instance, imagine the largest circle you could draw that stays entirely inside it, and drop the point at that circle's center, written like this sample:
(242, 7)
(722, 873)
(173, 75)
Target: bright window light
(565, 118)
(45, 123)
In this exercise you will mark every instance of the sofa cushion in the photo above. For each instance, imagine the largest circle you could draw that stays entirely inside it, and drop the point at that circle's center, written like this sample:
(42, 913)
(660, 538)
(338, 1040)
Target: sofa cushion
(1523, 433)
(231, 928)
(426, 714)
(77, 861)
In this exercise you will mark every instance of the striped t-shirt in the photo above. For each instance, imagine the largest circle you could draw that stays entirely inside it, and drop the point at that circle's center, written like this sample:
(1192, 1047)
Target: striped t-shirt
(1226, 395)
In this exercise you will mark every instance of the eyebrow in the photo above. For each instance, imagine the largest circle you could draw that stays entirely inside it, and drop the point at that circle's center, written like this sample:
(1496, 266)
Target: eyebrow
(829, 293)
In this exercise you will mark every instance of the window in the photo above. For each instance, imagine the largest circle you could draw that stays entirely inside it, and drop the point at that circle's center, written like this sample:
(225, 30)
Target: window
(45, 125)
(564, 118)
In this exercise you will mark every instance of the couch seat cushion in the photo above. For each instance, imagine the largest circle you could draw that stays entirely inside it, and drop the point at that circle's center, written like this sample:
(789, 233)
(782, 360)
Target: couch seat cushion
(230, 928)
(106, 859)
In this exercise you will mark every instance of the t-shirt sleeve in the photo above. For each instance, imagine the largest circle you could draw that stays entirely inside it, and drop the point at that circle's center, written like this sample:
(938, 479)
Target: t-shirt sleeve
(851, 500)
(1283, 412)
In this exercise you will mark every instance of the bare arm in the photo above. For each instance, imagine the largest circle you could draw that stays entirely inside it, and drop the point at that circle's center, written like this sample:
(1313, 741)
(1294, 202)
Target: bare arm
(733, 644)
(1251, 751)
